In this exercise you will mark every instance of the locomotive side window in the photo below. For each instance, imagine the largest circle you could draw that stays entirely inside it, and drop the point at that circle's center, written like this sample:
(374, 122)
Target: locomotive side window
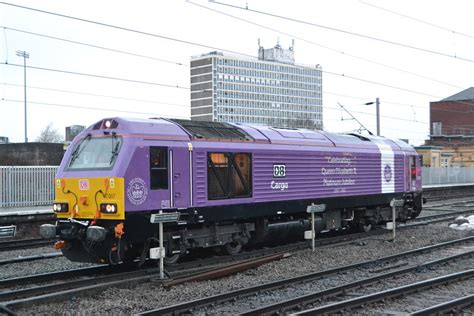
(242, 175)
(218, 176)
(158, 168)
(229, 175)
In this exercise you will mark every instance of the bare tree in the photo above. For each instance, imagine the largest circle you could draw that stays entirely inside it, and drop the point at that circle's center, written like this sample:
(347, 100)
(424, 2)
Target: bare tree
(49, 135)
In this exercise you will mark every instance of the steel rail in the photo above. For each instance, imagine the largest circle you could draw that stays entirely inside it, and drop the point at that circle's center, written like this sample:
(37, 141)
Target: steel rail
(31, 258)
(302, 300)
(47, 293)
(59, 275)
(436, 218)
(16, 298)
(186, 306)
(378, 296)
(24, 243)
(446, 307)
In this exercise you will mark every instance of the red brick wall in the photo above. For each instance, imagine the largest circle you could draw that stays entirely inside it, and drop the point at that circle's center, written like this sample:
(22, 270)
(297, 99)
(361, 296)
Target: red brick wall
(457, 117)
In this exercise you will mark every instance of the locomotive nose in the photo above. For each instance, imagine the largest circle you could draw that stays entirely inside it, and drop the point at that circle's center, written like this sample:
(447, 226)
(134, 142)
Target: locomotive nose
(47, 231)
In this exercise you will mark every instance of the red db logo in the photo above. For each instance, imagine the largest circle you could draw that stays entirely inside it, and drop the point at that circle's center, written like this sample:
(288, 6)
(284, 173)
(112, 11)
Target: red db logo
(84, 184)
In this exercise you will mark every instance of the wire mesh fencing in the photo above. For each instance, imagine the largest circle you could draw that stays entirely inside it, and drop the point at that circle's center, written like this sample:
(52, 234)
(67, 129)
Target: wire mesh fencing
(26, 185)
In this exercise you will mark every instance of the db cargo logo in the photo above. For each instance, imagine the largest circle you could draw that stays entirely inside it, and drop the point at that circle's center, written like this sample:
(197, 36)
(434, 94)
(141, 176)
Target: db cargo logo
(84, 184)
(137, 191)
(387, 173)
(279, 171)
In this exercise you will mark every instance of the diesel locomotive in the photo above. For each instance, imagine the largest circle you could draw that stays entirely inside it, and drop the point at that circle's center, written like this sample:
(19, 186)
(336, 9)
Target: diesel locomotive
(230, 184)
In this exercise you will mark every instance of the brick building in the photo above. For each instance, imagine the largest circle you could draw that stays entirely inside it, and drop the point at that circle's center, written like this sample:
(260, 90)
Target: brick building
(453, 116)
(451, 140)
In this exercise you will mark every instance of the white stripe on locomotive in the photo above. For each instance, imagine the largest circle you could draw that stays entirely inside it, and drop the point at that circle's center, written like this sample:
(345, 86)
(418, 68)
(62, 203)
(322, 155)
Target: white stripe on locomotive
(387, 166)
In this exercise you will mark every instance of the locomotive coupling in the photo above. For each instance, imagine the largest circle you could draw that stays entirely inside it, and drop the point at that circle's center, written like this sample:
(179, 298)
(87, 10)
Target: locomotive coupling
(48, 231)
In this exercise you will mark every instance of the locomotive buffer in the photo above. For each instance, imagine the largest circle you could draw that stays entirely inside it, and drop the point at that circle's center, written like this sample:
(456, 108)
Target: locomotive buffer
(161, 218)
(314, 208)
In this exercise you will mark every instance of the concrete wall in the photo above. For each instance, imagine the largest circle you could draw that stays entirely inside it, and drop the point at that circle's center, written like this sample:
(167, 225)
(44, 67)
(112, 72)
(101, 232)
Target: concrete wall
(31, 154)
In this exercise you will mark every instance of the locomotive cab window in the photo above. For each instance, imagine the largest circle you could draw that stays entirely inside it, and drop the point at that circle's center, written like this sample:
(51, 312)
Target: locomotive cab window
(95, 153)
(158, 168)
(229, 175)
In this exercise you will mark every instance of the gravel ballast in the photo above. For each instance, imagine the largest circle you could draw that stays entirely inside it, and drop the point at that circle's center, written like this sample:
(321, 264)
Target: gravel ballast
(20, 269)
(151, 295)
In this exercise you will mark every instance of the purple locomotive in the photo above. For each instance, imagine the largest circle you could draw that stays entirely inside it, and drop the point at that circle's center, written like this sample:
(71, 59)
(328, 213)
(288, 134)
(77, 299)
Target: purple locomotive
(230, 183)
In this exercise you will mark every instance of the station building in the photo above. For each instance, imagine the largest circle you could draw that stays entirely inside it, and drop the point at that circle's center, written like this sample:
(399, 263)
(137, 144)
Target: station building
(268, 90)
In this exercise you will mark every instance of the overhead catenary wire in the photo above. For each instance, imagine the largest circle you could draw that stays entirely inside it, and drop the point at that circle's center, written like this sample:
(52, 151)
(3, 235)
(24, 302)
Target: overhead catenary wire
(122, 28)
(94, 108)
(334, 74)
(373, 38)
(379, 84)
(185, 105)
(373, 114)
(132, 112)
(417, 20)
(97, 95)
(196, 44)
(95, 46)
(337, 51)
(98, 76)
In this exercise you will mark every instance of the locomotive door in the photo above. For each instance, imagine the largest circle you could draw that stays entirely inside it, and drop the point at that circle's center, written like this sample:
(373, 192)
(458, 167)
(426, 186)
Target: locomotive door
(180, 177)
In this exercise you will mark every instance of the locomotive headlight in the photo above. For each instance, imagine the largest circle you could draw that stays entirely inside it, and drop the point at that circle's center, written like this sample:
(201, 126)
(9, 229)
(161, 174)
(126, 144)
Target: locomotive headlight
(109, 208)
(108, 124)
(61, 207)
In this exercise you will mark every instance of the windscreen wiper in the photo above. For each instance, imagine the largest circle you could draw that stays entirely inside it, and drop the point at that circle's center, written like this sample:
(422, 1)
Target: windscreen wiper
(81, 146)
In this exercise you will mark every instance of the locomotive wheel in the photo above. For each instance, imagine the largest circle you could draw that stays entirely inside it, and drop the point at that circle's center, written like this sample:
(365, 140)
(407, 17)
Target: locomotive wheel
(233, 248)
(168, 260)
(415, 213)
(367, 228)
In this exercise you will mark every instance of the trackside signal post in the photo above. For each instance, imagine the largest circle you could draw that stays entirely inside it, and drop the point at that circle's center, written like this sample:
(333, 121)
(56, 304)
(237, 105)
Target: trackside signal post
(314, 208)
(161, 218)
(395, 204)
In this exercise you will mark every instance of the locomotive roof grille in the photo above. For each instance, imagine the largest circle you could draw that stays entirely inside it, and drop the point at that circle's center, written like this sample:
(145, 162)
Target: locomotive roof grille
(210, 130)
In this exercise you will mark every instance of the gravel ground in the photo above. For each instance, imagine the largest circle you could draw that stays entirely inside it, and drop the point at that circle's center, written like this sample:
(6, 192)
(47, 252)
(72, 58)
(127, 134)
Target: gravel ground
(278, 295)
(125, 301)
(8, 271)
(421, 300)
(413, 302)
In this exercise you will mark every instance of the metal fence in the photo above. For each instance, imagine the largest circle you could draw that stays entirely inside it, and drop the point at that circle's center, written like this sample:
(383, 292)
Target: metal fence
(27, 186)
(451, 175)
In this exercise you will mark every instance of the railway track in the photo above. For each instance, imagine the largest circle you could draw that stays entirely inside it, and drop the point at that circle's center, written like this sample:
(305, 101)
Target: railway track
(30, 258)
(14, 244)
(86, 280)
(281, 289)
(198, 263)
(367, 300)
(455, 196)
(99, 277)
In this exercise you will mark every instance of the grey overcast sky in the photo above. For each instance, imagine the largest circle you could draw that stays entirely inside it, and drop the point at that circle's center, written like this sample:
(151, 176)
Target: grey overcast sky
(435, 59)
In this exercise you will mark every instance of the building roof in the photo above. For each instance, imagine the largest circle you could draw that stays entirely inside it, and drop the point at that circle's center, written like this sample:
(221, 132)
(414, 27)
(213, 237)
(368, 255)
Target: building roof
(465, 95)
